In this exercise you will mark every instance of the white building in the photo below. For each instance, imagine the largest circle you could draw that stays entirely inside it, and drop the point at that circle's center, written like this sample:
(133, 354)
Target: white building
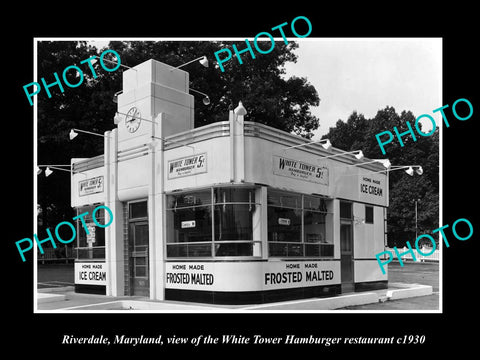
(224, 213)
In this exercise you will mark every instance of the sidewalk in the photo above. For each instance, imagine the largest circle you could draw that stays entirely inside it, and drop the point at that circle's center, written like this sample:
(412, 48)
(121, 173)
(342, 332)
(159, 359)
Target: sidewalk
(64, 299)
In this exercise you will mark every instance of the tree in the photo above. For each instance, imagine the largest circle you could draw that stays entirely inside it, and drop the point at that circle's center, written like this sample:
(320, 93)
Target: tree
(258, 83)
(358, 133)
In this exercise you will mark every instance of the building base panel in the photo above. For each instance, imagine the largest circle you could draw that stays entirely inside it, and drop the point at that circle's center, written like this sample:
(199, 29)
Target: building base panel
(250, 297)
(371, 285)
(91, 289)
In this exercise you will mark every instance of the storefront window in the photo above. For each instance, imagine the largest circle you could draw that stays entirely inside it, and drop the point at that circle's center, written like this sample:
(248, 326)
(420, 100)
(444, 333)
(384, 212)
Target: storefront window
(233, 222)
(138, 210)
(189, 224)
(192, 231)
(91, 245)
(298, 226)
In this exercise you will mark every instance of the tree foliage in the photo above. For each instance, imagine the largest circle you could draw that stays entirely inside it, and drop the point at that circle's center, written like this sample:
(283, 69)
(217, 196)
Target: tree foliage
(358, 133)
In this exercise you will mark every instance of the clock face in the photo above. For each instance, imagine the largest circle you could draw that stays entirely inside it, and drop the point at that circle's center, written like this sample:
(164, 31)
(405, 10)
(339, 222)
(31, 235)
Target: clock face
(132, 120)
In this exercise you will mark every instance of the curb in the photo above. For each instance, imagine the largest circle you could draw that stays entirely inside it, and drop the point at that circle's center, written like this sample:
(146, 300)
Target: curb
(396, 292)
(46, 298)
(330, 303)
(409, 290)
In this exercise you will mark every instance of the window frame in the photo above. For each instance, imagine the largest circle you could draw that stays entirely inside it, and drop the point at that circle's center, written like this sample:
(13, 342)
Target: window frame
(214, 244)
(95, 252)
(303, 212)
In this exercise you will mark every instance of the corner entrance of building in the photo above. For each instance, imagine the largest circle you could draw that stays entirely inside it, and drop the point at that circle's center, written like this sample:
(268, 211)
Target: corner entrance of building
(139, 258)
(138, 250)
(346, 246)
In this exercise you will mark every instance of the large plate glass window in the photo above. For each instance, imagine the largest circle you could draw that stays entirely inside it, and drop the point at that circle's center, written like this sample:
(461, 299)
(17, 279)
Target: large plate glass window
(216, 222)
(189, 224)
(284, 224)
(91, 245)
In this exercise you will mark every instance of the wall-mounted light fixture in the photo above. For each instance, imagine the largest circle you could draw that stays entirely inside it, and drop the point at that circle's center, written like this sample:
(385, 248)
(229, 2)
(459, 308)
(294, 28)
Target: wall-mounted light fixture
(206, 99)
(74, 133)
(409, 169)
(357, 153)
(385, 162)
(114, 62)
(202, 60)
(324, 142)
(48, 169)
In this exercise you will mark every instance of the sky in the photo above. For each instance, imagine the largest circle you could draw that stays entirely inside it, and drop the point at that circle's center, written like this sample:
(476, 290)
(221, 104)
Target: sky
(366, 75)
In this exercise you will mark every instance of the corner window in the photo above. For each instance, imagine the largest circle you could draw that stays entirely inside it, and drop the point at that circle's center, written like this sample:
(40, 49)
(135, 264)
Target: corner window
(91, 245)
(218, 222)
(189, 225)
(368, 214)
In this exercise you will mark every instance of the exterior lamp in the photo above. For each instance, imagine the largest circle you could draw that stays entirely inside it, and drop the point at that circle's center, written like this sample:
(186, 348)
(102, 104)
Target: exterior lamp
(358, 154)
(74, 132)
(409, 171)
(202, 60)
(48, 170)
(419, 170)
(72, 135)
(206, 99)
(114, 62)
(327, 144)
(385, 162)
(115, 96)
(324, 142)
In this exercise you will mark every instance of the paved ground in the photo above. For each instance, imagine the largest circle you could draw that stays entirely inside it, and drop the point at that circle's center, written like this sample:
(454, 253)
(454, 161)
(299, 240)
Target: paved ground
(55, 275)
(60, 275)
(415, 273)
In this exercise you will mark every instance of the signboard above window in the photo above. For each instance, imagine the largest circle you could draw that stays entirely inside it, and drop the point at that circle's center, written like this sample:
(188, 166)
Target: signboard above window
(300, 170)
(190, 165)
(90, 186)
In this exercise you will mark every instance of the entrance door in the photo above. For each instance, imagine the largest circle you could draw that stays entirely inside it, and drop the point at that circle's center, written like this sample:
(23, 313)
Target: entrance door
(346, 256)
(139, 258)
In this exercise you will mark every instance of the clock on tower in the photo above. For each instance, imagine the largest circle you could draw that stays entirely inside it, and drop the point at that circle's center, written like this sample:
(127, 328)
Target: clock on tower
(132, 119)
